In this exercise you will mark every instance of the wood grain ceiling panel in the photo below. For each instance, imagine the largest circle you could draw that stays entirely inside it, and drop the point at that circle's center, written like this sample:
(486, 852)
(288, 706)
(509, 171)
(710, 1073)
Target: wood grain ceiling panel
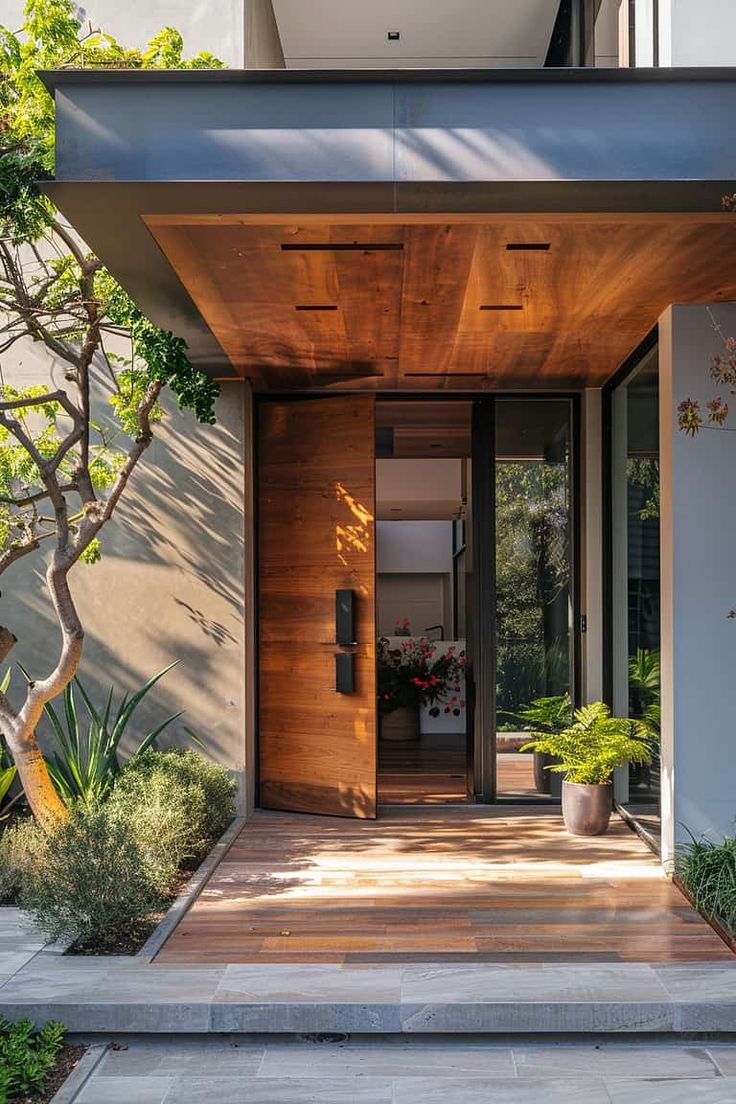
(414, 304)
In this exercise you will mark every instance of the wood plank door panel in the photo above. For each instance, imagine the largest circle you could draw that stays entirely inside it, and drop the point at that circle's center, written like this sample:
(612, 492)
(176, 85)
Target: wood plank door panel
(316, 534)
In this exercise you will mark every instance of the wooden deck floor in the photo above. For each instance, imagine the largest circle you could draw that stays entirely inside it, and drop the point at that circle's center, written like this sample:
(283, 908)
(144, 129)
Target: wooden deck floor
(462, 884)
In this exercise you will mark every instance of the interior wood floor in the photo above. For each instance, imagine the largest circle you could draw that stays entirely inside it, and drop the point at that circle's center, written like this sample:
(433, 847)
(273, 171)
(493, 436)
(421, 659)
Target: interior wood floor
(428, 771)
(432, 771)
(430, 885)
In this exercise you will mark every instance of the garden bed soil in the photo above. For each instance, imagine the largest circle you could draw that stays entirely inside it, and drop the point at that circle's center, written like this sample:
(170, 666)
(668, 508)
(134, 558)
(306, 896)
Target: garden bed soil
(65, 1063)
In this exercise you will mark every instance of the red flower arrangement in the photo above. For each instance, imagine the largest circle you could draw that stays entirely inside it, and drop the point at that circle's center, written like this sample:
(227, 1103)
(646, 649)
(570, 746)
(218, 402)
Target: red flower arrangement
(413, 675)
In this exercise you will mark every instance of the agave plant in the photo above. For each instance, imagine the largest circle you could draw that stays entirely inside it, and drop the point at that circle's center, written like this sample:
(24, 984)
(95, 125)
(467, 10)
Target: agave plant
(590, 749)
(88, 757)
(7, 766)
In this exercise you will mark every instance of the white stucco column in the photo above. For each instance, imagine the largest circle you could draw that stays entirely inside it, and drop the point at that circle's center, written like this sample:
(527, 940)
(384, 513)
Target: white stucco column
(698, 560)
(693, 32)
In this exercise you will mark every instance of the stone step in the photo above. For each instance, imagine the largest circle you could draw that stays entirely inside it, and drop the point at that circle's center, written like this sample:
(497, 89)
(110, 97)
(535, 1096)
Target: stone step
(132, 995)
(418, 1069)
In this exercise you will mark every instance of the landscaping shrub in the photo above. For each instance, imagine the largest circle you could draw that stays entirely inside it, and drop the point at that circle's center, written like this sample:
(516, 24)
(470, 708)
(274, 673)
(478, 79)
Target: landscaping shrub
(191, 774)
(93, 883)
(168, 816)
(23, 846)
(102, 873)
(27, 1056)
(708, 870)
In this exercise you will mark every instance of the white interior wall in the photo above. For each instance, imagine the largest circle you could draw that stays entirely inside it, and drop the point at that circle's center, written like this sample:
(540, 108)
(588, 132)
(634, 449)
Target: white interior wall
(413, 546)
(423, 489)
(414, 568)
(698, 537)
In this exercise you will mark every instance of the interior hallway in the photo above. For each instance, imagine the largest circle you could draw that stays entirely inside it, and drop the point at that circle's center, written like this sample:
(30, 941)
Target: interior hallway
(475, 883)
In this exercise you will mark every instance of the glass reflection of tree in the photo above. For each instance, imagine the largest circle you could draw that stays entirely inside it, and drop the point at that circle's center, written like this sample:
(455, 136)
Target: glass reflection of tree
(533, 580)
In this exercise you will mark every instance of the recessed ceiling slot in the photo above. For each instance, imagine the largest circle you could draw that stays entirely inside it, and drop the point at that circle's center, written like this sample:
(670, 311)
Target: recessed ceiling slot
(342, 247)
(315, 307)
(501, 306)
(531, 247)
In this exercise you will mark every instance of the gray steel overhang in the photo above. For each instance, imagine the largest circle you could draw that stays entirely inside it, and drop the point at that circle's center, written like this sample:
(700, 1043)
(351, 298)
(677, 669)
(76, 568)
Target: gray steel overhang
(423, 143)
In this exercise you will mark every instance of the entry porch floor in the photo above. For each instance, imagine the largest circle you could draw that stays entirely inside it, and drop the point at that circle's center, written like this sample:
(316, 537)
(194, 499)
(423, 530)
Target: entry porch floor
(474, 884)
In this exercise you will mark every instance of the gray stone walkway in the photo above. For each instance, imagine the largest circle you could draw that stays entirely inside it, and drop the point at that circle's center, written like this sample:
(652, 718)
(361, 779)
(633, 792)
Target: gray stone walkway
(401, 1070)
(19, 942)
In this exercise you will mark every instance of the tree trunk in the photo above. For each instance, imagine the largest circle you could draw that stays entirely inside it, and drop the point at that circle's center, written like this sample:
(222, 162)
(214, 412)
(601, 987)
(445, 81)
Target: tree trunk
(20, 728)
(45, 803)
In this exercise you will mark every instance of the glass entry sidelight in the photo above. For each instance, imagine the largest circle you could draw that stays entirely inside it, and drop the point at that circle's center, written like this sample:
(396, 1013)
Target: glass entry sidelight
(534, 591)
(634, 553)
(422, 570)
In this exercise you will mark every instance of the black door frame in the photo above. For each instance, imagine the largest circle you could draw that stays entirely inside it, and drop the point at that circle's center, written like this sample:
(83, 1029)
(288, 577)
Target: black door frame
(481, 689)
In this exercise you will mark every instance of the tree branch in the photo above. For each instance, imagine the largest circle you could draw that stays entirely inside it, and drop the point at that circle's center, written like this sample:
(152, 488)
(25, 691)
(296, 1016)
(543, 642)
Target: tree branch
(41, 691)
(98, 513)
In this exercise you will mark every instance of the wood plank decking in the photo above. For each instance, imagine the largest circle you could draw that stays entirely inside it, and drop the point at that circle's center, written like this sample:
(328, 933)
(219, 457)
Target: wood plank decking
(465, 884)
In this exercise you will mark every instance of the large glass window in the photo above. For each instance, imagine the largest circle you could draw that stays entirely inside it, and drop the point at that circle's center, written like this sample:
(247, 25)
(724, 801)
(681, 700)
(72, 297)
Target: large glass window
(534, 576)
(635, 572)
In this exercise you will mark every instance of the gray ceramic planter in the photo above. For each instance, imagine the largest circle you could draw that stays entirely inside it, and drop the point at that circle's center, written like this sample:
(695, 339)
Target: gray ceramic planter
(586, 809)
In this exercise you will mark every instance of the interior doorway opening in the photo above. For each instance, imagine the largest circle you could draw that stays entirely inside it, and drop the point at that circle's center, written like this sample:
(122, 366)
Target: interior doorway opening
(422, 581)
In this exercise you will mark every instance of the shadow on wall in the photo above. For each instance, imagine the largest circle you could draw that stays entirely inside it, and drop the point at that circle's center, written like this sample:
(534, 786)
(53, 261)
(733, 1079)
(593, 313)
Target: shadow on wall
(170, 586)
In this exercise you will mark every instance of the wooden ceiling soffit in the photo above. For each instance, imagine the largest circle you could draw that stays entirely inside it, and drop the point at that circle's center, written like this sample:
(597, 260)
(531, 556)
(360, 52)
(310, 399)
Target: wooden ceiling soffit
(532, 301)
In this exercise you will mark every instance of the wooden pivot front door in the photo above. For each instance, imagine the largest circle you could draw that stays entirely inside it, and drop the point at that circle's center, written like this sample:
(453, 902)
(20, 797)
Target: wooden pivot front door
(316, 535)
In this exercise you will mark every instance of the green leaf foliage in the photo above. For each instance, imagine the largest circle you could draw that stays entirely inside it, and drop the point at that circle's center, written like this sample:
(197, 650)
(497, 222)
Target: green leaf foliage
(546, 715)
(8, 770)
(27, 1056)
(54, 292)
(708, 870)
(87, 756)
(590, 749)
(91, 881)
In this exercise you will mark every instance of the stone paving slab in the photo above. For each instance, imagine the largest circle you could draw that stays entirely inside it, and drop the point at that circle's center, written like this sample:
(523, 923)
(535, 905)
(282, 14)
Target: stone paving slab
(19, 941)
(401, 1070)
(122, 994)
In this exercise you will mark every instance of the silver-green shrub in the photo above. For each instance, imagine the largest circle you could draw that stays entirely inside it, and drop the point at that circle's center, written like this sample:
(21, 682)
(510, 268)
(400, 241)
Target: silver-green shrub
(168, 816)
(207, 787)
(23, 847)
(92, 884)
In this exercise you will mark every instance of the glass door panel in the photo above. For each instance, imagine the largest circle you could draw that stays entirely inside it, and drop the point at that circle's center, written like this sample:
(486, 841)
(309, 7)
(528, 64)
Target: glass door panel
(534, 584)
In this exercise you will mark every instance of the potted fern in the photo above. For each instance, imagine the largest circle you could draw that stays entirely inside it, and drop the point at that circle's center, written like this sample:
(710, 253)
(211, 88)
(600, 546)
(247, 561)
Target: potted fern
(543, 717)
(587, 753)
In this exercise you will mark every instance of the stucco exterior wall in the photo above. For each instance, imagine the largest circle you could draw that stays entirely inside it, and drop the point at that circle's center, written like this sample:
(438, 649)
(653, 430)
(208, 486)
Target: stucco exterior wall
(698, 539)
(170, 584)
